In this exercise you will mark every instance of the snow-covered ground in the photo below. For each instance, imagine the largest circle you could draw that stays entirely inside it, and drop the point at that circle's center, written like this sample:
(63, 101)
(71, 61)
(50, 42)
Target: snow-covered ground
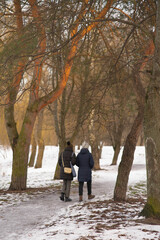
(40, 215)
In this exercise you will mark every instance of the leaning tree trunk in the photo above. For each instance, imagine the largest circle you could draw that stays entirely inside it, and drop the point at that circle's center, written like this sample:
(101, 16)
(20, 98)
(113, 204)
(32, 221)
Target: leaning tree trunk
(131, 140)
(21, 152)
(127, 158)
(152, 132)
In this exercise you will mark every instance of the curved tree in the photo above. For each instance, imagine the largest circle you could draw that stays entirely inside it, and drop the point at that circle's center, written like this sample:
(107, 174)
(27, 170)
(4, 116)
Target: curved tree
(20, 142)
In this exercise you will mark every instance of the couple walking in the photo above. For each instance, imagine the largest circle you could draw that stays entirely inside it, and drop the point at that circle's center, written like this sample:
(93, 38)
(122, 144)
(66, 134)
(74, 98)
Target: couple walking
(85, 163)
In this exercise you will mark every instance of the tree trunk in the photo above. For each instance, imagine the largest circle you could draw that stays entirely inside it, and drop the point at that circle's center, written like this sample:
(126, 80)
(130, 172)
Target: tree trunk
(96, 152)
(117, 149)
(21, 152)
(141, 140)
(40, 141)
(78, 146)
(57, 171)
(93, 141)
(60, 130)
(41, 148)
(152, 132)
(127, 158)
(117, 140)
(33, 152)
(131, 140)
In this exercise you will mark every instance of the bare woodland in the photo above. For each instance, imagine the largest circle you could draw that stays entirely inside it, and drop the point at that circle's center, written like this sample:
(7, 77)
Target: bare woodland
(81, 70)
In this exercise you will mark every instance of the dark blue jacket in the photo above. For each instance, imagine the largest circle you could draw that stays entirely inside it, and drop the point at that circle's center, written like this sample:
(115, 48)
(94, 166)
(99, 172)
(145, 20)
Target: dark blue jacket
(85, 163)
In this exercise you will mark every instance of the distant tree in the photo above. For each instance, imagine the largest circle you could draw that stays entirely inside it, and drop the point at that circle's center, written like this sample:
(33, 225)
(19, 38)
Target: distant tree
(33, 151)
(40, 140)
(72, 110)
(94, 139)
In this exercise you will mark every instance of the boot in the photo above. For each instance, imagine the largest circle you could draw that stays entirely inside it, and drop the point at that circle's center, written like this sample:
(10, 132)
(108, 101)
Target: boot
(91, 196)
(67, 199)
(62, 196)
(80, 198)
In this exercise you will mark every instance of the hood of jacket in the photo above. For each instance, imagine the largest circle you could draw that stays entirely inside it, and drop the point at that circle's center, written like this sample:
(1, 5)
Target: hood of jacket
(84, 150)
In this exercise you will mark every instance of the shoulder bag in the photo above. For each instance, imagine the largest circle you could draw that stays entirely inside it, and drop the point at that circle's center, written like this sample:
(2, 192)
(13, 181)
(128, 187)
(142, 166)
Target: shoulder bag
(67, 170)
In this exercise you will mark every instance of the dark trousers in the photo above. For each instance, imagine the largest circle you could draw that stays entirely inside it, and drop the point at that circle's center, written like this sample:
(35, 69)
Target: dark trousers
(89, 185)
(66, 187)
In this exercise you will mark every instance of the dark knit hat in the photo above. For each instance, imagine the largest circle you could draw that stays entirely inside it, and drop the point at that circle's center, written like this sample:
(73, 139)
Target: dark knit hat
(69, 144)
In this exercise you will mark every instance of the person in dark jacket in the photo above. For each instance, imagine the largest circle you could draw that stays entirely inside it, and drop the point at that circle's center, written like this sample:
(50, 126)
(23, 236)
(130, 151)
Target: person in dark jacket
(65, 158)
(85, 163)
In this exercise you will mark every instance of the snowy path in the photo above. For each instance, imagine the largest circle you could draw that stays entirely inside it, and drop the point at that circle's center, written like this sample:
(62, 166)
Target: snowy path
(15, 220)
(21, 214)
